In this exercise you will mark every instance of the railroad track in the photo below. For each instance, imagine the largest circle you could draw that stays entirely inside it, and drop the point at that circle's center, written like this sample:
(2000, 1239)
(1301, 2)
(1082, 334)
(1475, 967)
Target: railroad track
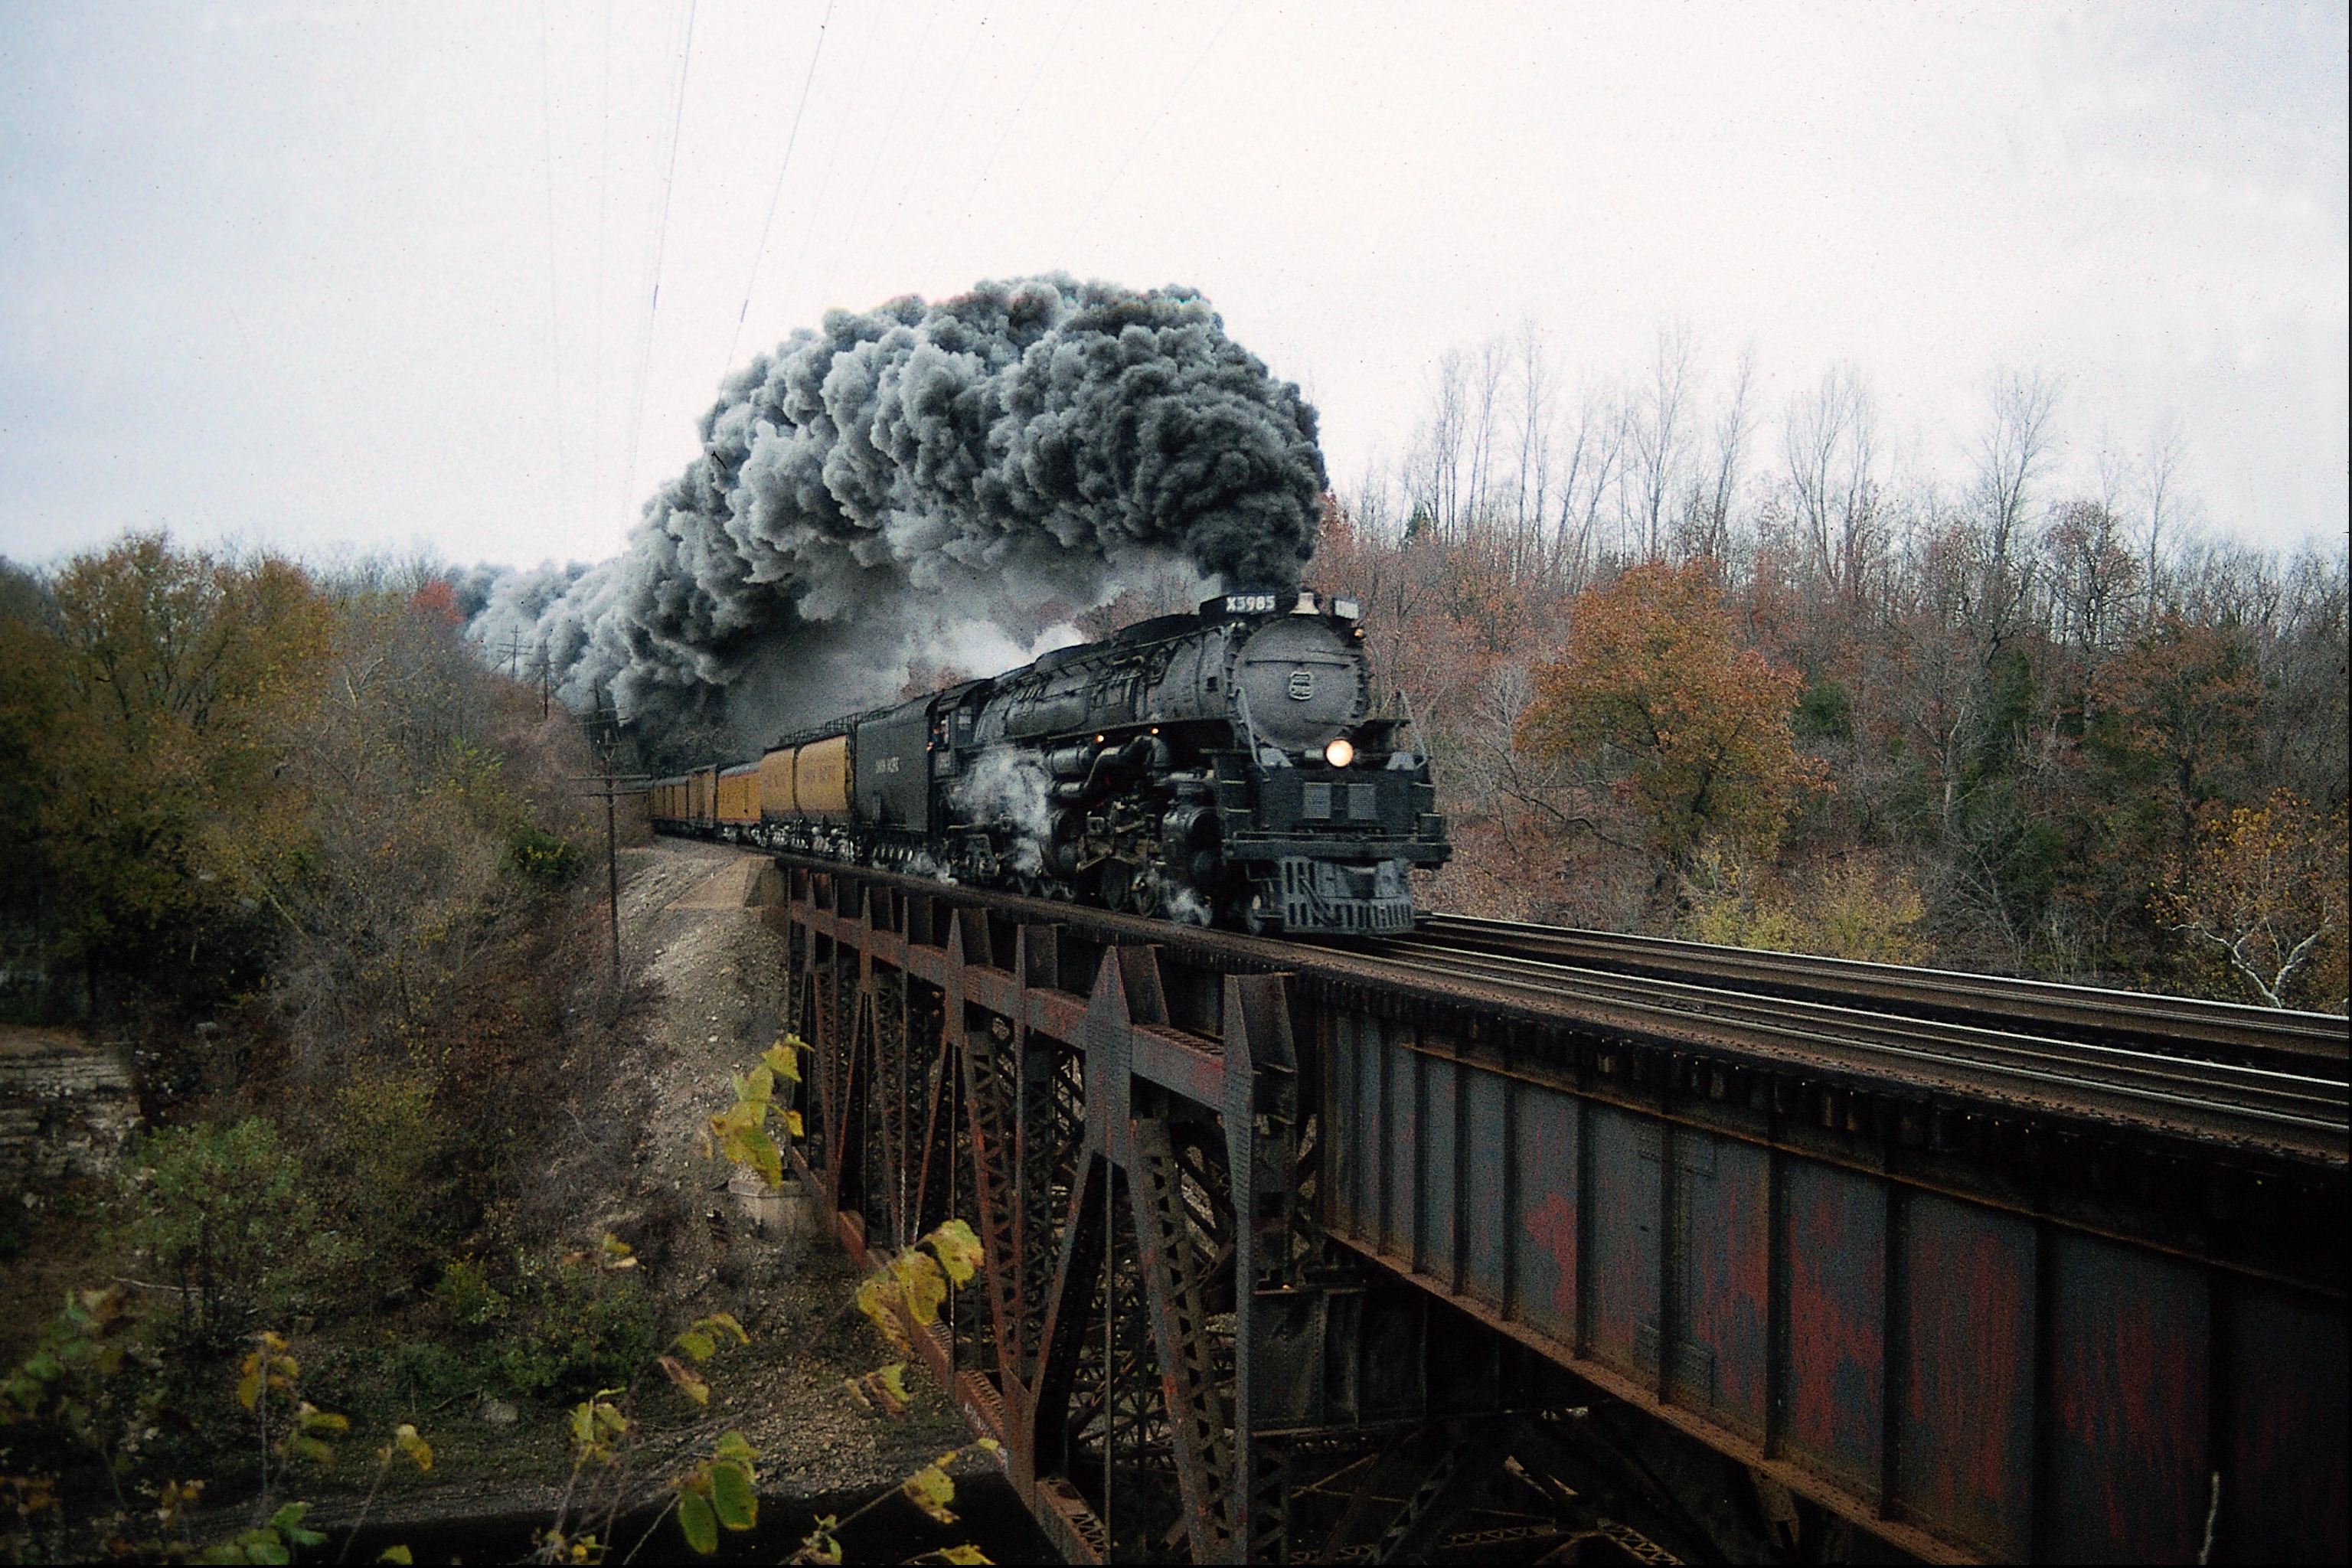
(2245, 1076)
(2294, 1109)
(2309, 1045)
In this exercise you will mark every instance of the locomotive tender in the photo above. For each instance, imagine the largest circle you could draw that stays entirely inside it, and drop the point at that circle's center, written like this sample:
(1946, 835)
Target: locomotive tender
(1223, 768)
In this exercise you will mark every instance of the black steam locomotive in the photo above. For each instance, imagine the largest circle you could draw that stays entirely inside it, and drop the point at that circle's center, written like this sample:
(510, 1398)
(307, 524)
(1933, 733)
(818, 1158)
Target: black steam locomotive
(1228, 767)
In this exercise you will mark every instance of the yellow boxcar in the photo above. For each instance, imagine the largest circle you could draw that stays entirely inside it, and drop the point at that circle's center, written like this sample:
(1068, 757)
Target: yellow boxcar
(821, 778)
(701, 796)
(738, 796)
(776, 801)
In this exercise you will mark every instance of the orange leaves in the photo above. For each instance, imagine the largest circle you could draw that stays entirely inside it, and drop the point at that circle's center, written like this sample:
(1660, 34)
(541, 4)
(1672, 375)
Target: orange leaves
(1654, 688)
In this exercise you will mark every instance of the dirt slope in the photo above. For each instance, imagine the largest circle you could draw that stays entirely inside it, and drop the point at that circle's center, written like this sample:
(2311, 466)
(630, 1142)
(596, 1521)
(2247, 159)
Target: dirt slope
(703, 989)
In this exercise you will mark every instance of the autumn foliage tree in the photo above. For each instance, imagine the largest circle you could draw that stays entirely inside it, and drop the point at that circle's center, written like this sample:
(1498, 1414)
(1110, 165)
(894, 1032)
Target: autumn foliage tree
(2264, 892)
(2176, 717)
(159, 697)
(1655, 696)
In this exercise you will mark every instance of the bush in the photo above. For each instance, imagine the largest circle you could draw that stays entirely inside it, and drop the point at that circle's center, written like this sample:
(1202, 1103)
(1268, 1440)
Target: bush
(585, 1329)
(543, 856)
(471, 1301)
(227, 1214)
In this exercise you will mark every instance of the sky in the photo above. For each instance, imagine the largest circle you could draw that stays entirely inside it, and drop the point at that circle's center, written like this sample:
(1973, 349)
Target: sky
(346, 278)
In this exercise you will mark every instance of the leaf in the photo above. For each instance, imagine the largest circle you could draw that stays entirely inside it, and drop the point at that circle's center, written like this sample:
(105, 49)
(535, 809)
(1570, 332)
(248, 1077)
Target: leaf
(314, 1419)
(727, 1321)
(685, 1377)
(884, 1388)
(930, 1490)
(699, 1524)
(415, 1447)
(290, 1517)
(583, 1423)
(760, 1152)
(792, 1124)
(921, 1287)
(312, 1449)
(783, 1059)
(698, 1345)
(395, 1554)
(959, 1251)
(966, 1554)
(734, 1446)
(732, 1497)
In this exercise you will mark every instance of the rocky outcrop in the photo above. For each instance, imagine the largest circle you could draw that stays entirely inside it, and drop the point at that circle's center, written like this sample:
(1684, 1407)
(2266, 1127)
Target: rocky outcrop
(67, 1109)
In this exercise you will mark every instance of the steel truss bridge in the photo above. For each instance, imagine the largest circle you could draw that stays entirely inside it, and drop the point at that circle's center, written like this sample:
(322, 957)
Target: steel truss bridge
(1507, 1244)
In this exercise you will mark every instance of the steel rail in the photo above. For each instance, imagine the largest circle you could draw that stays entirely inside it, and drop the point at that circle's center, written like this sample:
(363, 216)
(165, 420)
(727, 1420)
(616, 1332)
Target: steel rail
(2251, 1101)
(1928, 1055)
(2282, 1040)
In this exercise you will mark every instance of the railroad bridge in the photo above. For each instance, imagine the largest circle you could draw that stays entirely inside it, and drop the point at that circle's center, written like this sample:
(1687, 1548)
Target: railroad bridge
(1502, 1243)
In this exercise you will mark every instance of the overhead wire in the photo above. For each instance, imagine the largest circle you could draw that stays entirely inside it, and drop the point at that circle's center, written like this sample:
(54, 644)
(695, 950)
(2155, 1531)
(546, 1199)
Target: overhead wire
(833, 157)
(985, 169)
(597, 474)
(1166, 104)
(554, 313)
(777, 194)
(661, 241)
(881, 145)
(915, 170)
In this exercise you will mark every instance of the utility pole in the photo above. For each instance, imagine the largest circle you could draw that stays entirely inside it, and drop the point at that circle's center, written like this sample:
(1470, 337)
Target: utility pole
(605, 735)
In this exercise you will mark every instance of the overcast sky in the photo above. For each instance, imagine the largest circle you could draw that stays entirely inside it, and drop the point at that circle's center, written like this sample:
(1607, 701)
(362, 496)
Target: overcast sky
(369, 276)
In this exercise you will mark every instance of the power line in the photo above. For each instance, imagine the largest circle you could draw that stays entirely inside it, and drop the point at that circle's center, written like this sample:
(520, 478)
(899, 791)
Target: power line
(554, 314)
(661, 243)
(957, 227)
(915, 170)
(596, 454)
(833, 157)
(866, 187)
(777, 194)
(1166, 104)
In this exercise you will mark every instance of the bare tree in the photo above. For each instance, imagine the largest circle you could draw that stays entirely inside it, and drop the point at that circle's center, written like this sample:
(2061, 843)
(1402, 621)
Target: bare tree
(1535, 393)
(1829, 442)
(2167, 453)
(2011, 458)
(1591, 480)
(1658, 438)
(1706, 518)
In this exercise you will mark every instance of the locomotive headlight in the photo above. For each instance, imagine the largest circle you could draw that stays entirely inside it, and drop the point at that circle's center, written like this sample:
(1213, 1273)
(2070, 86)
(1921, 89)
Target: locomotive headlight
(1340, 754)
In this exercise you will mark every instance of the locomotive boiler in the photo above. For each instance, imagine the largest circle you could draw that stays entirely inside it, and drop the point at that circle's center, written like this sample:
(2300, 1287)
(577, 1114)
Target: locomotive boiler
(1232, 766)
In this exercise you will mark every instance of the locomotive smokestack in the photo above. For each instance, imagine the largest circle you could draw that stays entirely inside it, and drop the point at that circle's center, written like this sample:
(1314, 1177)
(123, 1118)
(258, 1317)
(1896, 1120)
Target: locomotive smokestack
(876, 489)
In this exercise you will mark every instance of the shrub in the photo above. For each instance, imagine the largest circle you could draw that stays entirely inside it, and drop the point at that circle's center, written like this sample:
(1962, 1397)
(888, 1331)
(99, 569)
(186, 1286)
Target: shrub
(586, 1329)
(227, 1215)
(543, 856)
(467, 1293)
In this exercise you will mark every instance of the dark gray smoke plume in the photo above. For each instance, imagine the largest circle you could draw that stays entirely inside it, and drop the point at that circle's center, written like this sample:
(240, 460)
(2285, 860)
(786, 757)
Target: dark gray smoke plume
(904, 487)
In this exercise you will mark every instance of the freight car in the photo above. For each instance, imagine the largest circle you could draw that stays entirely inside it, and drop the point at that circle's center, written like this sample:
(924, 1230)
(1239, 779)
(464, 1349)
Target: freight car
(1232, 766)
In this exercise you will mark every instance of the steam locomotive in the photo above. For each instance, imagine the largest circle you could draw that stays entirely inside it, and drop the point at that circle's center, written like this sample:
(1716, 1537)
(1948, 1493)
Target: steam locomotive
(1229, 767)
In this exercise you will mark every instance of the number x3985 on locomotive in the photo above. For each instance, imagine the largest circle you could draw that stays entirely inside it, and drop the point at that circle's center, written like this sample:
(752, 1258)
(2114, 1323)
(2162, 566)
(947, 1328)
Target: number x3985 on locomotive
(1229, 766)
